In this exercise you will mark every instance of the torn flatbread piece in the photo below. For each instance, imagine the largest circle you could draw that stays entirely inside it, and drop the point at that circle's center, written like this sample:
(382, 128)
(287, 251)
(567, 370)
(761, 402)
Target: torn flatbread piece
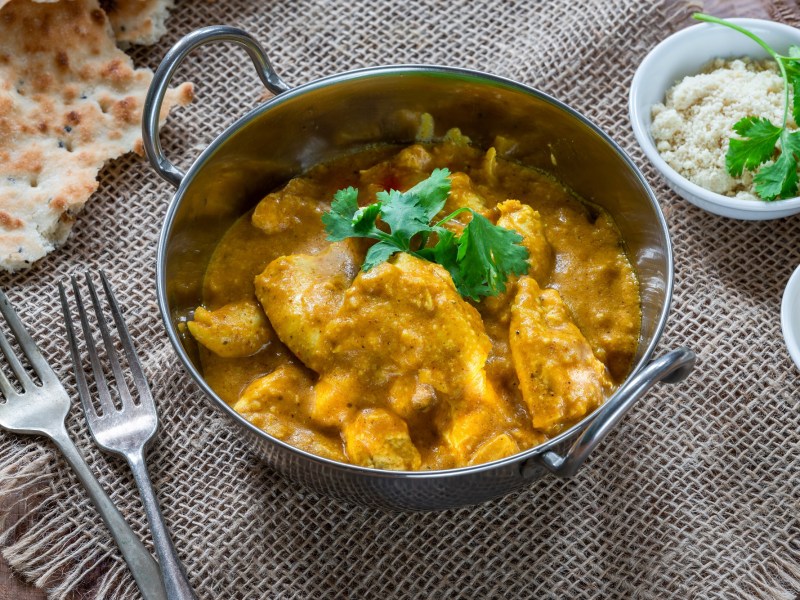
(69, 101)
(138, 21)
(133, 21)
(4, 2)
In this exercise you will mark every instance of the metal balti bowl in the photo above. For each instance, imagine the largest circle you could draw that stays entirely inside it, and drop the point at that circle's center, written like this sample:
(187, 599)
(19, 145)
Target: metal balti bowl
(314, 122)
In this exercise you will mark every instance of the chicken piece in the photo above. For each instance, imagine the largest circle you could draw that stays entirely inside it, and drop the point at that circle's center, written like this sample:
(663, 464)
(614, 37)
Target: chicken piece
(414, 159)
(293, 205)
(296, 434)
(407, 335)
(477, 416)
(233, 331)
(527, 222)
(339, 392)
(406, 317)
(283, 390)
(560, 378)
(495, 449)
(334, 394)
(377, 438)
(300, 293)
(408, 397)
(274, 402)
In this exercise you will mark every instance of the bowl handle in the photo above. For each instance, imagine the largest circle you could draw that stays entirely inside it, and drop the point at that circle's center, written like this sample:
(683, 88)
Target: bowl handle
(163, 76)
(670, 368)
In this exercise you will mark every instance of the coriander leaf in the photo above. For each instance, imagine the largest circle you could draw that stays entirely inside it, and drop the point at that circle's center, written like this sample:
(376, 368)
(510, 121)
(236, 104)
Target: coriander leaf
(780, 178)
(445, 253)
(772, 180)
(339, 220)
(379, 253)
(487, 254)
(433, 192)
(796, 96)
(406, 215)
(757, 147)
(409, 213)
(446, 249)
(363, 220)
(479, 260)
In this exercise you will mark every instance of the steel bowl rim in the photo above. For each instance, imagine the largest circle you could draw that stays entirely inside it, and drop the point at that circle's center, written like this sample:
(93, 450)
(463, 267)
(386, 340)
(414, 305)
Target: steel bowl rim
(381, 71)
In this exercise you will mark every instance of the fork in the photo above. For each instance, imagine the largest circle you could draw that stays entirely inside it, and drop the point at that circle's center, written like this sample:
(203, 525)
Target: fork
(125, 431)
(42, 410)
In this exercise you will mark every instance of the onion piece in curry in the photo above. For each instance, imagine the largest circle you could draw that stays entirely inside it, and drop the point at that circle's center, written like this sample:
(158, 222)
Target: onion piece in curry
(392, 368)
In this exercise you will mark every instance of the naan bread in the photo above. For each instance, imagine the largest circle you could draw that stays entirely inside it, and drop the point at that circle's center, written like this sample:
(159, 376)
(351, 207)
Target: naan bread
(138, 21)
(69, 101)
(133, 21)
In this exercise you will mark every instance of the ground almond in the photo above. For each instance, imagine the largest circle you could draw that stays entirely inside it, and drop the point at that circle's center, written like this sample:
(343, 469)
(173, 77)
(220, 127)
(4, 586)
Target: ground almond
(694, 125)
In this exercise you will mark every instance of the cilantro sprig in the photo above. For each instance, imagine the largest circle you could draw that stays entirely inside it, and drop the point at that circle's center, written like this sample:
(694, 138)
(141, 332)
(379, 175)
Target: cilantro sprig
(479, 260)
(759, 136)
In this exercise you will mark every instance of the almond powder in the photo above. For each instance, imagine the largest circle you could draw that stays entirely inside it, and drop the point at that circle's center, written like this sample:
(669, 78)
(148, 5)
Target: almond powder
(693, 126)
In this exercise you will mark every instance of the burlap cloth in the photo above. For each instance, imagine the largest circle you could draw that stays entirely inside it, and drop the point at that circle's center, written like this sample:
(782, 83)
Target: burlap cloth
(696, 494)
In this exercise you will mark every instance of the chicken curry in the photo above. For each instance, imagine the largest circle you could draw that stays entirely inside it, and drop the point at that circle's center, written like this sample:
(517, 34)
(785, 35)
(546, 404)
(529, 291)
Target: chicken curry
(391, 367)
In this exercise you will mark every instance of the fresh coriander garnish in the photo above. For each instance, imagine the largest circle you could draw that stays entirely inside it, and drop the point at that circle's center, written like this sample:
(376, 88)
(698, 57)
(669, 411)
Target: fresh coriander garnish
(479, 260)
(760, 136)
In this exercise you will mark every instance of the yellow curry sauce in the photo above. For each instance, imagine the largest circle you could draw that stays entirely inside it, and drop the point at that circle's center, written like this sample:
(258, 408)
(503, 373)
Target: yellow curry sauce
(392, 368)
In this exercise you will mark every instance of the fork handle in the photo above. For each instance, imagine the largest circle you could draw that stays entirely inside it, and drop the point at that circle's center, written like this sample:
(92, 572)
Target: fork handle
(174, 576)
(141, 564)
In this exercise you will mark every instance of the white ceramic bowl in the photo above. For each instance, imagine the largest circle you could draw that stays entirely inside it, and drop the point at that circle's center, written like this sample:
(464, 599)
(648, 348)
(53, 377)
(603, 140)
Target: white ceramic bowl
(790, 316)
(686, 53)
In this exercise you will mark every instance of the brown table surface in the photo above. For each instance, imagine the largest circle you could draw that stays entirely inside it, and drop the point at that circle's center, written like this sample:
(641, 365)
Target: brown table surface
(12, 588)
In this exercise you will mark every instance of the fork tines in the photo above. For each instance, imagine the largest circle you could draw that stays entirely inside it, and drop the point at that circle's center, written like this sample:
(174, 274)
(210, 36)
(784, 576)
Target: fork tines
(29, 348)
(103, 391)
